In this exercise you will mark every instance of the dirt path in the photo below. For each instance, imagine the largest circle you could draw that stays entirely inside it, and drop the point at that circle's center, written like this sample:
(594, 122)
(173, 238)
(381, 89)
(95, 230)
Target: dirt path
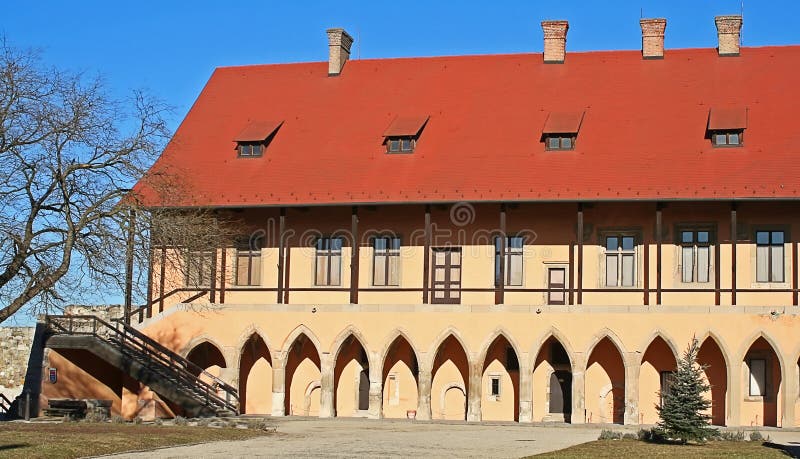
(387, 438)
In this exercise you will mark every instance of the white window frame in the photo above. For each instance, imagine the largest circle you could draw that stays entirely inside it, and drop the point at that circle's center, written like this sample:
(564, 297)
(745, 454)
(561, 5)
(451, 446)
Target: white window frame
(752, 377)
(620, 253)
(495, 377)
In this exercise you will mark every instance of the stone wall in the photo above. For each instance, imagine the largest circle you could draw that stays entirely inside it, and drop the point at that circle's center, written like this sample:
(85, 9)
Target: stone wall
(15, 348)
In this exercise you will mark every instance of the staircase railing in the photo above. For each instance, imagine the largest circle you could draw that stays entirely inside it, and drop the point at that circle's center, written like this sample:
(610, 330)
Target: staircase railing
(141, 310)
(128, 337)
(5, 404)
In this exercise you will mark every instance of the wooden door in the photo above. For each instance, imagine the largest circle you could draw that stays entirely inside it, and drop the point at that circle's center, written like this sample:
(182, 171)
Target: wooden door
(446, 275)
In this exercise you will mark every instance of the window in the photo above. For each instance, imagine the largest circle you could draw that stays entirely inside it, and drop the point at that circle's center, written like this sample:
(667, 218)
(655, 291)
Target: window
(695, 256)
(400, 144)
(758, 377)
(494, 387)
(620, 261)
(248, 265)
(329, 261)
(198, 268)
(560, 141)
(513, 268)
(250, 149)
(769, 256)
(667, 378)
(556, 284)
(393, 389)
(726, 138)
(386, 261)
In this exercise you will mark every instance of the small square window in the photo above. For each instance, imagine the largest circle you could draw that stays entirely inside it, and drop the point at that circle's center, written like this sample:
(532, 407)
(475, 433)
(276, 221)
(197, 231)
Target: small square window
(250, 149)
(726, 138)
(400, 144)
(560, 141)
(494, 389)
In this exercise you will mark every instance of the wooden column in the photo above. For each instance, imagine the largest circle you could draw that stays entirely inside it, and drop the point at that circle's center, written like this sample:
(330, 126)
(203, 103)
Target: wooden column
(571, 272)
(659, 233)
(223, 278)
(426, 263)
(717, 271)
(150, 260)
(733, 253)
(287, 284)
(129, 264)
(499, 292)
(281, 242)
(794, 273)
(161, 280)
(354, 261)
(580, 253)
(646, 249)
(213, 293)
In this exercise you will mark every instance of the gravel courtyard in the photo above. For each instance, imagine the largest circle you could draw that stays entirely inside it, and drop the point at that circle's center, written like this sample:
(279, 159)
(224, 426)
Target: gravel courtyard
(388, 438)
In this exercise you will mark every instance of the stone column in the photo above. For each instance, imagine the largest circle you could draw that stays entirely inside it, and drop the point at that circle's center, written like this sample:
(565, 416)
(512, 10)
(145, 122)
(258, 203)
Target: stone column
(279, 387)
(789, 390)
(525, 390)
(632, 366)
(424, 384)
(733, 399)
(326, 406)
(375, 392)
(578, 390)
(474, 393)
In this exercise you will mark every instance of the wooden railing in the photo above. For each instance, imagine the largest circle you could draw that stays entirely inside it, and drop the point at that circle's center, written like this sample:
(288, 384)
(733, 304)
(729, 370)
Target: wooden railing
(5, 404)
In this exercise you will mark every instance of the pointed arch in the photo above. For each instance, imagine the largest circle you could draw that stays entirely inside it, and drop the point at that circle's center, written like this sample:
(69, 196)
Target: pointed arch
(292, 337)
(353, 331)
(771, 386)
(720, 379)
(750, 340)
(199, 340)
(255, 373)
(399, 372)
(390, 340)
(658, 333)
(556, 334)
(441, 338)
(604, 333)
(488, 342)
(721, 344)
(254, 330)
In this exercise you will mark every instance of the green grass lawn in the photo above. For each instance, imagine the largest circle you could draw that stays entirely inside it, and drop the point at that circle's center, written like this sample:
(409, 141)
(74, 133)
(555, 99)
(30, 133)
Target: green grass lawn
(619, 449)
(79, 439)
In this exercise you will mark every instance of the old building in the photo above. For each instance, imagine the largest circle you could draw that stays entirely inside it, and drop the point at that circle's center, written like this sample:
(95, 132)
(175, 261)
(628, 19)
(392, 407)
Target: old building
(528, 237)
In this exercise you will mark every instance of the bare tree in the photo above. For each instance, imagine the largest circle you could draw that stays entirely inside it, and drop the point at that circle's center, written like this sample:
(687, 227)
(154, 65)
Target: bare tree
(69, 154)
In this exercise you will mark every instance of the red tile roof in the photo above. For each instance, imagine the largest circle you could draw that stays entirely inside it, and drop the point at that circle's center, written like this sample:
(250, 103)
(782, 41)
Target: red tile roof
(643, 134)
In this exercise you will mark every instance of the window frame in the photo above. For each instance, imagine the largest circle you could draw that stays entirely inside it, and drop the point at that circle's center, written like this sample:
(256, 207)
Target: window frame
(509, 254)
(665, 378)
(550, 289)
(727, 133)
(330, 253)
(495, 395)
(562, 137)
(770, 230)
(399, 139)
(764, 390)
(620, 253)
(695, 229)
(241, 146)
(251, 253)
(388, 252)
(190, 258)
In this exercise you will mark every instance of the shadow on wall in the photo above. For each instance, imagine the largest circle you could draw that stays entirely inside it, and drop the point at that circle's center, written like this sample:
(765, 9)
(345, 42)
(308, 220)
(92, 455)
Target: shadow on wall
(33, 376)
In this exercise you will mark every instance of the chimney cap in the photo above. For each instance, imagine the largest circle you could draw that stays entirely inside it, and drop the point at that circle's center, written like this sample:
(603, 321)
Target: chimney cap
(337, 36)
(653, 26)
(729, 29)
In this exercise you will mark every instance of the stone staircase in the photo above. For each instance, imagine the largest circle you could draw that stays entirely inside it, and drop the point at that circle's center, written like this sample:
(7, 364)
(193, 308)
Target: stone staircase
(168, 374)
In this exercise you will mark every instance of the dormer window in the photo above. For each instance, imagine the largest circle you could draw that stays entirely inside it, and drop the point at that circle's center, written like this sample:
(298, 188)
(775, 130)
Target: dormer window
(726, 126)
(403, 134)
(561, 130)
(256, 136)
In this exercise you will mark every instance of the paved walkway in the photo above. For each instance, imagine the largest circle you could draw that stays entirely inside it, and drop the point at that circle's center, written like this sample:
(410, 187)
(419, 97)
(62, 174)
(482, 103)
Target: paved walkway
(388, 438)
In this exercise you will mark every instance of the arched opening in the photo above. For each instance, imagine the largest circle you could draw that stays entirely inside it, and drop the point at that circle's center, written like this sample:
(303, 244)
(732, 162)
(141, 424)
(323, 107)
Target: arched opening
(209, 358)
(761, 385)
(302, 378)
(351, 379)
(450, 371)
(605, 384)
(400, 379)
(255, 377)
(552, 383)
(655, 374)
(716, 372)
(500, 399)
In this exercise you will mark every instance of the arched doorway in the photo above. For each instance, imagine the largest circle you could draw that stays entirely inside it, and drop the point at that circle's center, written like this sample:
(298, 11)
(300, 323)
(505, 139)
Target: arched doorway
(255, 377)
(207, 357)
(450, 372)
(552, 383)
(500, 398)
(710, 357)
(762, 384)
(351, 379)
(605, 384)
(658, 365)
(302, 378)
(400, 379)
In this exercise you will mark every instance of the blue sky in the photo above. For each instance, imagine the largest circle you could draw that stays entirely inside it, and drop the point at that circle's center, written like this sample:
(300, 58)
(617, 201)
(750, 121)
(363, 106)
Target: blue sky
(172, 47)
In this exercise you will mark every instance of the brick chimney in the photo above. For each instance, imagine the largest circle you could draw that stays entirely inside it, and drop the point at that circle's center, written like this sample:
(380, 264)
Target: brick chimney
(728, 32)
(653, 37)
(555, 41)
(339, 43)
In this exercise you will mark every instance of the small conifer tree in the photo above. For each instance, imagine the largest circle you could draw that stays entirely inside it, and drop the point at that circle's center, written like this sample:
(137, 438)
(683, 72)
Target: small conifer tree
(683, 411)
